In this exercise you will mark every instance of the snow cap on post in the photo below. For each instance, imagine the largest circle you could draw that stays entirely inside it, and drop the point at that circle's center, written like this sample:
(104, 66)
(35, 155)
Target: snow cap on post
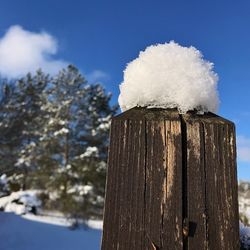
(170, 76)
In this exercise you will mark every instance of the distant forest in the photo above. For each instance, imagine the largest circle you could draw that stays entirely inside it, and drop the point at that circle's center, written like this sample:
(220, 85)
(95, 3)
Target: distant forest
(53, 138)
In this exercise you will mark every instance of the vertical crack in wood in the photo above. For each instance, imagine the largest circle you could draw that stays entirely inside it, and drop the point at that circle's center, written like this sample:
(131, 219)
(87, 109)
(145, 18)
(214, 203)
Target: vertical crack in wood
(163, 201)
(145, 178)
(184, 179)
(205, 184)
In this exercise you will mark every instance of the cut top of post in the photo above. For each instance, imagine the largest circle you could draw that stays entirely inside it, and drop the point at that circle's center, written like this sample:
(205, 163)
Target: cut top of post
(154, 114)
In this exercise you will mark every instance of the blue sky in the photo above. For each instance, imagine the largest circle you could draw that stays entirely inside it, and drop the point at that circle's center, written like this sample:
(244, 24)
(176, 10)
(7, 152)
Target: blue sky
(101, 37)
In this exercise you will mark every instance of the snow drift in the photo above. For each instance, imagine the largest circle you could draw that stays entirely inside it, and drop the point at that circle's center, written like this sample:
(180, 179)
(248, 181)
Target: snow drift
(170, 76)
(20, 202)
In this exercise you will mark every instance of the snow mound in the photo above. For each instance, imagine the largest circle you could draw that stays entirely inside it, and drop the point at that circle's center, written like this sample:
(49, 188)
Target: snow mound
(20, 202)
(170, 76)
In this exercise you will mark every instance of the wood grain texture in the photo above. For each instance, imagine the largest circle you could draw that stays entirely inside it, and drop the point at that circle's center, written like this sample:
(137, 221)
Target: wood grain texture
(196, 186)
(223, 232)
(171, 175)
(172, 203)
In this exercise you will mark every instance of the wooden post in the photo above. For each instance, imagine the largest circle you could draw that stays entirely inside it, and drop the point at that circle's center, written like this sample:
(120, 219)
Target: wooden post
(171, 182)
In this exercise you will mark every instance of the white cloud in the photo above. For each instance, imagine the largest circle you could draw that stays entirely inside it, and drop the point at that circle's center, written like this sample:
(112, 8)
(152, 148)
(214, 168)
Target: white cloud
(243, 148)
(22, 51)
(97, 76)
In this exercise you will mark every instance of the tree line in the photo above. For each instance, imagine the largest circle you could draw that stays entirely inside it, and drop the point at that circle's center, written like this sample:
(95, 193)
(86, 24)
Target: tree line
(54, 138)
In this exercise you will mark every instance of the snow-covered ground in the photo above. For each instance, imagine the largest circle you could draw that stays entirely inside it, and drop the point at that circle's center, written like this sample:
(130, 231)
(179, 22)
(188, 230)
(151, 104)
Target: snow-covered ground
(31, 232)
(20, 202)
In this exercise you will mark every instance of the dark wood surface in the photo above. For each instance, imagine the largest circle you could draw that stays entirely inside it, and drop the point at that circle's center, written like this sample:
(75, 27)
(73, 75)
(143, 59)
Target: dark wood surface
(171, 182)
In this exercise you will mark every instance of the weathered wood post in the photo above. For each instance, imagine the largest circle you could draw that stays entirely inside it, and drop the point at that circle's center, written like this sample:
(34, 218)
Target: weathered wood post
(171, 182)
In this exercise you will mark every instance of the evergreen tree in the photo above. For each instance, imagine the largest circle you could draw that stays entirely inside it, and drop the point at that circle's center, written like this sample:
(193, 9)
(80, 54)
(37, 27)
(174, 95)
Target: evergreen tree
(56, 139)
(7, 138)
(56, 146)
(92, 132)
(76, 136)
(23, 118)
